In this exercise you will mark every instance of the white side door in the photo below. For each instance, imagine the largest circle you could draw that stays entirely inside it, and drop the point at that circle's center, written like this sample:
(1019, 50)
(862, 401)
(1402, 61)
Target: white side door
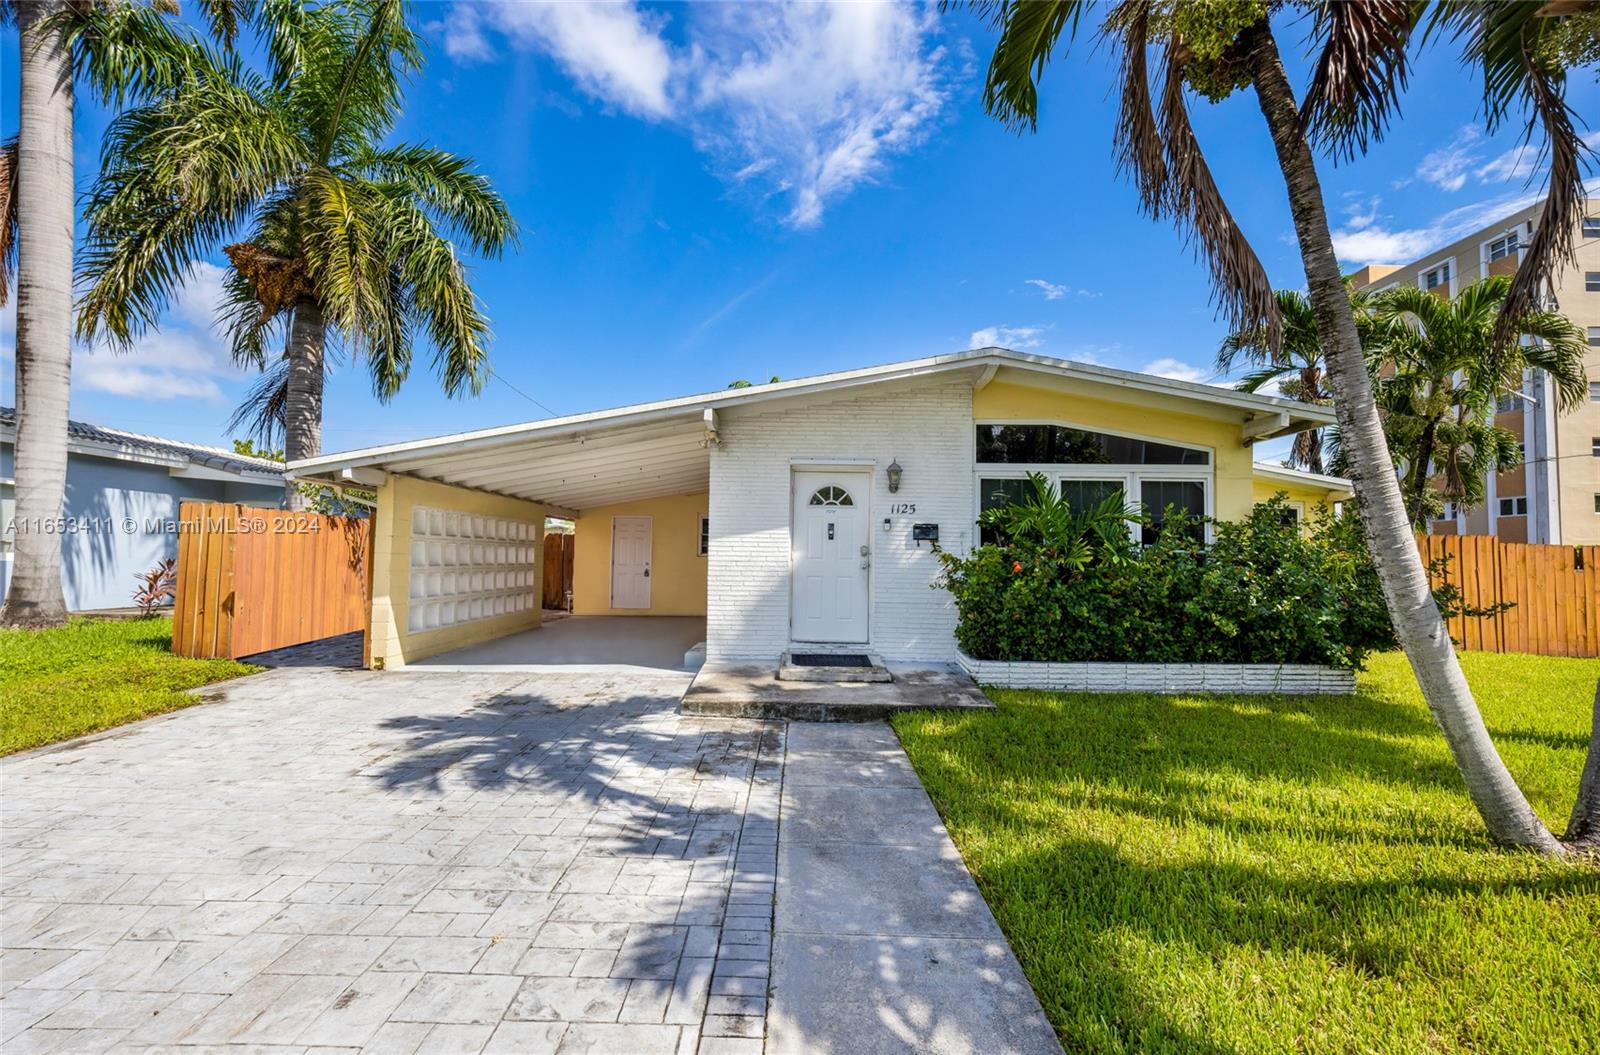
(830, 557)
(630, 562)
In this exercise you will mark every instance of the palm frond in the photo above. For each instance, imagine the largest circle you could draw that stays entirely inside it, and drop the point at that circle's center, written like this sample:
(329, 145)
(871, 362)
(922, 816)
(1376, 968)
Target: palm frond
(1360, 72)
(260, 415)
(1137, 142)
(1029, 32)
(1520, 79)
(1240, 287)
(8, 217)
(130, 51)
(445, 184)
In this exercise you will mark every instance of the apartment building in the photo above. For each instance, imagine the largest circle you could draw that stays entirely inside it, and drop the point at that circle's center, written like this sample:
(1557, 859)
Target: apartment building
(1554, 496)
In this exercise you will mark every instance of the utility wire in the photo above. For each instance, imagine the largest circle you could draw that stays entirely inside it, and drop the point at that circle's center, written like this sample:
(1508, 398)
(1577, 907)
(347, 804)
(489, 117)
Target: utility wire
(521, 393)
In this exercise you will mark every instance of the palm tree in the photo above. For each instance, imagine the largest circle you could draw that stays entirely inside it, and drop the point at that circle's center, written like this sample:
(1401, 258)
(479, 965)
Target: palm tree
(118, 50)
(345, 237)
(1444, 372)
(1295, 364)
(1359, 63)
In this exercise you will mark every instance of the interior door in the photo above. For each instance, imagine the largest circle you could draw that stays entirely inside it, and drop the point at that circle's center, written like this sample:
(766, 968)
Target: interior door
(830, 557)
(630, 562)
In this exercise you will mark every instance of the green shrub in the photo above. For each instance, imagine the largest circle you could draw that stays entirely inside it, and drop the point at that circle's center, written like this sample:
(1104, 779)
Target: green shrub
(1062, 588)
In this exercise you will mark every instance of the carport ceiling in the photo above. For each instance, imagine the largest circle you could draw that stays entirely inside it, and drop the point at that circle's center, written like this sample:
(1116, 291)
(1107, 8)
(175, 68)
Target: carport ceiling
(579, 470)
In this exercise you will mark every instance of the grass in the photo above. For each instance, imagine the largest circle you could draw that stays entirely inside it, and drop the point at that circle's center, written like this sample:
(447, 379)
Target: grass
(93, 674)
(1192, 874)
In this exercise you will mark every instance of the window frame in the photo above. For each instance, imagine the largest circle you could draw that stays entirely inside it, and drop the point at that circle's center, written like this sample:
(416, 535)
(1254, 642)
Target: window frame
(1594, 391)
(1593, 333)
(1509, 239)
(1513, 512)
(1589, 227)
(703, 534)
(1450, 279)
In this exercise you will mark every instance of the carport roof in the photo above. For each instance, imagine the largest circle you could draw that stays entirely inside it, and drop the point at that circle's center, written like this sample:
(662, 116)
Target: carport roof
(653, 449)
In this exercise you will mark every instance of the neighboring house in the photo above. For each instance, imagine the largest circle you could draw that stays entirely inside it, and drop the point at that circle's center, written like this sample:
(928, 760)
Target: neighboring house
(802, 513)
(121, 510)
(1555, 495)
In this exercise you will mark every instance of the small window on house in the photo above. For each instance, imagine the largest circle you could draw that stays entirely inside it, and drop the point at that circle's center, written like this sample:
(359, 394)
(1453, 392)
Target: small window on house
(1503, 247)
(1594, 391)
(705, 535)
(1161, 496)
(1597, 503)
(1289, 516)
(1514, 507)
(1439, 276)
(831, 496)
(1508, 402)
(1449, 511)
(1591, 281)
(999, 494)
(1594, 337)
(1594, 446)
(1591, 226)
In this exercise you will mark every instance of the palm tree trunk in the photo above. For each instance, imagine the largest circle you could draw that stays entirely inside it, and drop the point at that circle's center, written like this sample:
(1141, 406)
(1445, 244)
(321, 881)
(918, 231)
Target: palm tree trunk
(44, 317)
(302, 410)
(1583, 830)
(1419, 472)
(1417, 622)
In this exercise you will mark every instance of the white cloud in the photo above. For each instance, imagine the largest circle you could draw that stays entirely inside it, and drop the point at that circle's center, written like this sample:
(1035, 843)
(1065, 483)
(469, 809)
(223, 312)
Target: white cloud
(165, 364)
(1050, 289)
(1377, 244)
(1450, 165)
(1518, 163)
(613, 51)
(1361, 212)
(802, 102)
(1016, 338)
(199, 300)
(1176, 369)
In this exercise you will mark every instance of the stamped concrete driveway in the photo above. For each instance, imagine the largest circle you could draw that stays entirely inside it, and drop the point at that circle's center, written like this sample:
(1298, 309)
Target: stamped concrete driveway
(408, 862)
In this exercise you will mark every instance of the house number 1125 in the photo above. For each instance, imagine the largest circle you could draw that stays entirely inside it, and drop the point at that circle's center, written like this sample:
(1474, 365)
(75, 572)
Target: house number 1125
(903, 507)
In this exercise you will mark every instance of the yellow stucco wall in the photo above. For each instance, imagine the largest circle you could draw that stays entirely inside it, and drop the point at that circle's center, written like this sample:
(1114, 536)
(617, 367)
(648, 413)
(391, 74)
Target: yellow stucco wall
(677, 571)
(1009, 401)
(392, 644)
(1309, 496)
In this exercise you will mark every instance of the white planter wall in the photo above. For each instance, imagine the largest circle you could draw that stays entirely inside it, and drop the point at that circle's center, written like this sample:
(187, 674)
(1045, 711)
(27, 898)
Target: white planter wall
(1289, 679)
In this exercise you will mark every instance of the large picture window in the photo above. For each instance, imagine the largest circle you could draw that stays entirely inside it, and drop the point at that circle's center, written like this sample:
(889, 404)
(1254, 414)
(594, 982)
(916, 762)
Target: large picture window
(1060, 445)
(1087, 467)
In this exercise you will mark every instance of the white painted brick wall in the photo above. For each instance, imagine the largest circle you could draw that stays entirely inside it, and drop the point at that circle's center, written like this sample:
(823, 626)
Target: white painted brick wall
(927, 426)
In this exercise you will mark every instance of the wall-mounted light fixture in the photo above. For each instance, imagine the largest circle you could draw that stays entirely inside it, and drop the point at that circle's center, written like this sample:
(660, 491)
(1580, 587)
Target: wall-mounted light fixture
(895, 472)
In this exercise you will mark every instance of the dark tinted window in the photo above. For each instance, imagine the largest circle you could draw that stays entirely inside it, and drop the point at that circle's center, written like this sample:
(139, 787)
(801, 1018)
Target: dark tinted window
(1059, 445)
(1160, 495)
(998, 494)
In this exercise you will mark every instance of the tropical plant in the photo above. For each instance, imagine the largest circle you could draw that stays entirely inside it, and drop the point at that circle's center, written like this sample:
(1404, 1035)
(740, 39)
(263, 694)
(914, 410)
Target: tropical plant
(1438, 373)
(1359, 58)
(156, 586)
(1044, 518)
(1295, 364)
(346, 237)
(118, 51)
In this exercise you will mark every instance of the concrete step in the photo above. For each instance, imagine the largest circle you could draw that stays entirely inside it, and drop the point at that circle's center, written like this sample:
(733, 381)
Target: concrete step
(754, 691)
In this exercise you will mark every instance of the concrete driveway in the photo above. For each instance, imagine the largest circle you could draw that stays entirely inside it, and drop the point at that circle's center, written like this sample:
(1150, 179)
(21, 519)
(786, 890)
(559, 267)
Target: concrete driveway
(429, 862)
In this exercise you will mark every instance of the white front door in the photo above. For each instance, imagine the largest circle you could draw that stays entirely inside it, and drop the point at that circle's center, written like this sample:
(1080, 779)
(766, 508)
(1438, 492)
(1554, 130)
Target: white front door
(630, 562)
(829, 556)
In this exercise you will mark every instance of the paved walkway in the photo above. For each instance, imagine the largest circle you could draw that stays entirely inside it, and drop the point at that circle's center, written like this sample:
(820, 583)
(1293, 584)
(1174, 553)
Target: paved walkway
(407, 862)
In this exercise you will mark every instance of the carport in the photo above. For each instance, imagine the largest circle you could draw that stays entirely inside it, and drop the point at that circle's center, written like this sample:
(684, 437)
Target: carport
(460, 526)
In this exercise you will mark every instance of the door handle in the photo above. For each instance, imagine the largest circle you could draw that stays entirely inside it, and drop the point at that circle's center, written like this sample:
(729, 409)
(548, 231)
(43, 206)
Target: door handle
(647, 571)
(866, 563)
(865, 550)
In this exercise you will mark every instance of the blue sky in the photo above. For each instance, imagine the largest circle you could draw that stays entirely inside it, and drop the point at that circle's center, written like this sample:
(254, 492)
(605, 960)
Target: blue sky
(716, 191)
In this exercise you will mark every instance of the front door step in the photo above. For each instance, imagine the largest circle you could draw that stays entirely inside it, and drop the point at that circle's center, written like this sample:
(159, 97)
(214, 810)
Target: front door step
(832, 667)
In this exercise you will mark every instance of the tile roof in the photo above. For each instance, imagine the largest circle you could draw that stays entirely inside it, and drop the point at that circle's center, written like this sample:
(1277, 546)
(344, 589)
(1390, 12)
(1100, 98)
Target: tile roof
(135, 443)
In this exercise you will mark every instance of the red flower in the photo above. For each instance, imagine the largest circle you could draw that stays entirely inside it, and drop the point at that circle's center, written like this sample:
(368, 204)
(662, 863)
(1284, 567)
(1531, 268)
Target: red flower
(1016, 566)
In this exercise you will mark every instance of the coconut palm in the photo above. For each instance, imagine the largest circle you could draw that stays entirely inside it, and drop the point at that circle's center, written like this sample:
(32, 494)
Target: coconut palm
(118, 51)
(1359, 55)
(1439, 372)
(348, 243)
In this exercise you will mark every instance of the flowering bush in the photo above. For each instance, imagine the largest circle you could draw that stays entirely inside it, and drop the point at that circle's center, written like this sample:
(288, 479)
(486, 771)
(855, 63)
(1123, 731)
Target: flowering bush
(1262, 592)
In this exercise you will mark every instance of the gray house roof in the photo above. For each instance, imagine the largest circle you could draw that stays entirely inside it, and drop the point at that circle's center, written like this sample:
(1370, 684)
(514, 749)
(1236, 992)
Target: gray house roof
(181, 459)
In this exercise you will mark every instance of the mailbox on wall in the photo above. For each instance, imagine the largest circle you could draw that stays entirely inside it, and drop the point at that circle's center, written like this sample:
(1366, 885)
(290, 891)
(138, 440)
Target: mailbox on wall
(921, 533)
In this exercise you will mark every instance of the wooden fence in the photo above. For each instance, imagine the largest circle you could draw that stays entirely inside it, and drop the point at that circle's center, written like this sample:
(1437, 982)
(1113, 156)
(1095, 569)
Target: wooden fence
(250, 579)
(557, 578)
(1554, 590)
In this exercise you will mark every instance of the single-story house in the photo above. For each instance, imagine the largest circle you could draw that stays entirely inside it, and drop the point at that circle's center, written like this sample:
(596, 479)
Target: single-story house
(798, 515)
(121, 511)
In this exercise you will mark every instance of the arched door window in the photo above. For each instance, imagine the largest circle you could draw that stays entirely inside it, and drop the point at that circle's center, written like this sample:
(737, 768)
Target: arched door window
(831, 496)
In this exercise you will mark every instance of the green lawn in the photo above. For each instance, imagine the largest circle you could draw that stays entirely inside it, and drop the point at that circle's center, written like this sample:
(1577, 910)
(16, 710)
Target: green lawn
(1192, 874)
(93, 674)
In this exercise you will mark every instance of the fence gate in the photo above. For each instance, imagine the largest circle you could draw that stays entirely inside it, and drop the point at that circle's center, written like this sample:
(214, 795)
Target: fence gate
(251, 579)
(557, 578)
